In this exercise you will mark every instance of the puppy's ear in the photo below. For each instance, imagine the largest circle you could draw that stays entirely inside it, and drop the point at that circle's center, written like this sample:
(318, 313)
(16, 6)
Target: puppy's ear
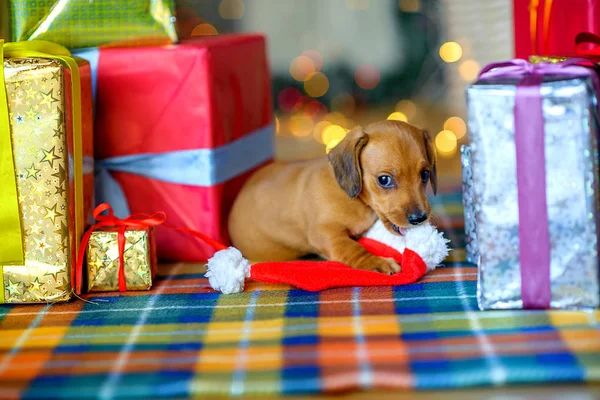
(345, 159)
(432, 158)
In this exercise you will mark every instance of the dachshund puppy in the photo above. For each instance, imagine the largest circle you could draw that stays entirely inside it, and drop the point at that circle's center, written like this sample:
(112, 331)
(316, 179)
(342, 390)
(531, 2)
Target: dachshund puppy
(288, 210)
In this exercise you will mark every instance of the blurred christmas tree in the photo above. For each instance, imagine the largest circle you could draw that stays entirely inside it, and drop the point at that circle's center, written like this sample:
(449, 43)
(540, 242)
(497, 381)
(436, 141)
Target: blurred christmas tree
(417, 64)
(416, 24)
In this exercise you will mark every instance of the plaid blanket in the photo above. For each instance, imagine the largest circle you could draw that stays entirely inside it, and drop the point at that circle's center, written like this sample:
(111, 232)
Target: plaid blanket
(181, 339)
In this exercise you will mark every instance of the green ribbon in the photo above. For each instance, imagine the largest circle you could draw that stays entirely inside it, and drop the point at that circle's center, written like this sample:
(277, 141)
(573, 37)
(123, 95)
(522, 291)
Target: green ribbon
(11, 234)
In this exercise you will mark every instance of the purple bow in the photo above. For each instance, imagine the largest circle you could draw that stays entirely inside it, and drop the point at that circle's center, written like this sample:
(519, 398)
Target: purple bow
(534, 235)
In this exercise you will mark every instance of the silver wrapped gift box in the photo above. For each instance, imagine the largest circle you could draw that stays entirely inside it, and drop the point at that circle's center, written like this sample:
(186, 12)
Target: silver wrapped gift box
(471, 249)
(513, 268)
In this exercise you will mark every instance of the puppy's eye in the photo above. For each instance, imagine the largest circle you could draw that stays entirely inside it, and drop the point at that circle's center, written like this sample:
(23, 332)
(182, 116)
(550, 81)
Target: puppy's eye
(385, 181)
(425, 176)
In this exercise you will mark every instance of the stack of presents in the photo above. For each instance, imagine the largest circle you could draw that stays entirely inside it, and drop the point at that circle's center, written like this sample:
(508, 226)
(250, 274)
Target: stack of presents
(101, 103)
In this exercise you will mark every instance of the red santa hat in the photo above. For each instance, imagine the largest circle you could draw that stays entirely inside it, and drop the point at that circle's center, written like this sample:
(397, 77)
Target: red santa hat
(418, 251)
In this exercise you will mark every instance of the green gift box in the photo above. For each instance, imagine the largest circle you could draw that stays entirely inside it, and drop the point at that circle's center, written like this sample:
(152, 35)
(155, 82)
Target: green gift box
(85, 23)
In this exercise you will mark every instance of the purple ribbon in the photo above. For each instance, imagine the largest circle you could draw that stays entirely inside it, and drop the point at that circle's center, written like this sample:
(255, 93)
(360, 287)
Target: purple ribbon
(534, 235)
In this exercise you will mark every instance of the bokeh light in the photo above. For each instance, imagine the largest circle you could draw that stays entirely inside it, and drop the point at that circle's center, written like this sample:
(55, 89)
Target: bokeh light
(318, 130)
(336, 118)
(457, 126)
(407, 107)
(367, 76)
(300, 104)
(357, 4)
(397, 116)
(468, 70)
(184, 13)
(287, 98)
(451, 52)
(331, 145)
(301, 68)
(349, 124)
(446, 142)
(314, 108)
(204, 30)
(331, 133)
(316, 58)
(300, 125)
(343, 103)
(231, 9)
(316, 85)
(187, 20)
(409, 5)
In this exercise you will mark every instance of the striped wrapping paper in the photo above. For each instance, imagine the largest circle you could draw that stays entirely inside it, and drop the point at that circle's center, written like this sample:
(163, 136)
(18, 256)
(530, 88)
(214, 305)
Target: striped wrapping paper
(183, 340)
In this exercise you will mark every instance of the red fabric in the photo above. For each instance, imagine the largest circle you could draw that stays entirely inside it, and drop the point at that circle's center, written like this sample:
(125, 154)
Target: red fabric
(202, 93)
(380, 249)
(550, 28)
(315, 276)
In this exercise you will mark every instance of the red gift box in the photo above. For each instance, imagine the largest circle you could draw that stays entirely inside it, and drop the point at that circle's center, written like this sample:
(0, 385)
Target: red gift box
(179, 129)
(549, 27)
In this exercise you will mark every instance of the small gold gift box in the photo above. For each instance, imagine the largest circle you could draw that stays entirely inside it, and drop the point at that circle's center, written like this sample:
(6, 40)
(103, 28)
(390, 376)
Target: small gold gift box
(121, 253)
(104, 266)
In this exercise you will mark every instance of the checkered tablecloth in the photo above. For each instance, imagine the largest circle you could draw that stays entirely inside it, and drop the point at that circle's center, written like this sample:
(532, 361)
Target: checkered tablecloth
(181, 339)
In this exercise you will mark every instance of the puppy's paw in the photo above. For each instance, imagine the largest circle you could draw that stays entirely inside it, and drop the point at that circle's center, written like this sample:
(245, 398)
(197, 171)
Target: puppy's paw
(386, 266)
(390, 266)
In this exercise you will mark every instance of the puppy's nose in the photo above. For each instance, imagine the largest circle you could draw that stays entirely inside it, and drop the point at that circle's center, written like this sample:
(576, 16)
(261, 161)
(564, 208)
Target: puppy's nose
(417, 218)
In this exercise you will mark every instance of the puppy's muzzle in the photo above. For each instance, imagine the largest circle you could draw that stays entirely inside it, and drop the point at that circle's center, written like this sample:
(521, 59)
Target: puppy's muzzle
(417, 218)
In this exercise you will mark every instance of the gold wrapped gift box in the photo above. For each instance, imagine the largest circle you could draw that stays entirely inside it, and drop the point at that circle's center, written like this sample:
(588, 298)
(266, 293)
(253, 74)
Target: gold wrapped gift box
(103, 260)
(44, 110)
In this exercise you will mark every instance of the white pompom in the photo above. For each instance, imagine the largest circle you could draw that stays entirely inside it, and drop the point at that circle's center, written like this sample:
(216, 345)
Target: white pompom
(227, 271)
(429, 243)
(425, 240)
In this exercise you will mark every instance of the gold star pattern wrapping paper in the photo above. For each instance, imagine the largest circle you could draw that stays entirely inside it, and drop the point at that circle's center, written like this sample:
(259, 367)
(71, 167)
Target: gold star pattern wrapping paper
(43, 160)
(85, 23)
(103, 260)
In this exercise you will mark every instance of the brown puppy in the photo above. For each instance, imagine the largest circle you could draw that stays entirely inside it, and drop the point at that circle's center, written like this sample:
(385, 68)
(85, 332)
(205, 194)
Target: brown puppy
(288, 210)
